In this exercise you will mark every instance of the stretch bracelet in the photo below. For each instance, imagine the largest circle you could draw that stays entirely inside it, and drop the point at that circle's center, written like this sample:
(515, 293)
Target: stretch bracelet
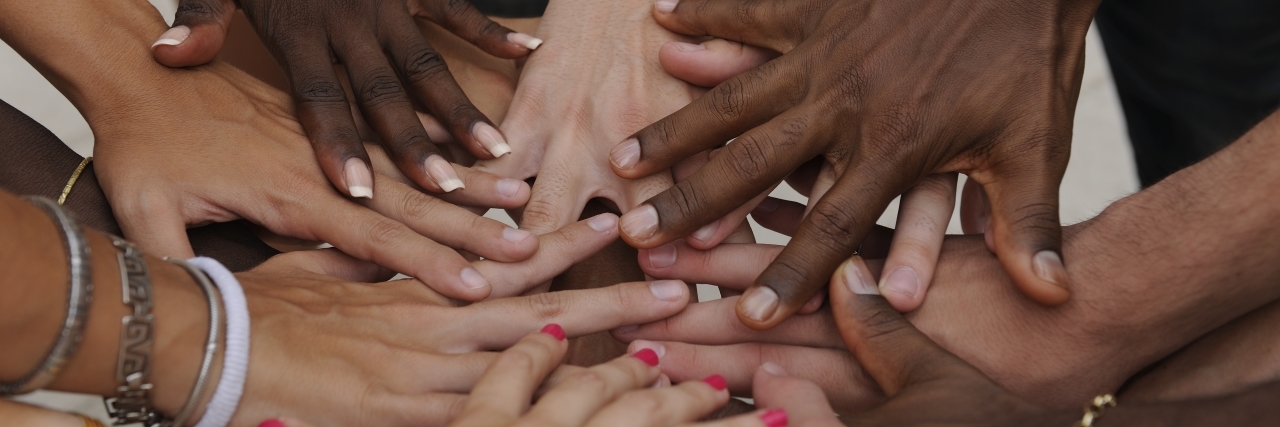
(79, 298)
(210, 346)
(236, 358)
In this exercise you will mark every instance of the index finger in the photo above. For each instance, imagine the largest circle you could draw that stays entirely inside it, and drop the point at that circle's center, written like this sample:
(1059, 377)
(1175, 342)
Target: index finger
(506, 389)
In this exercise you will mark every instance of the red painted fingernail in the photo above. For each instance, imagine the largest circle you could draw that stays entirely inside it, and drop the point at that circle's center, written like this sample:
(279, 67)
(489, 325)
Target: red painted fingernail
(774, 418)
(716, 381)
(271, 423)
(554, 330)
(648, 356)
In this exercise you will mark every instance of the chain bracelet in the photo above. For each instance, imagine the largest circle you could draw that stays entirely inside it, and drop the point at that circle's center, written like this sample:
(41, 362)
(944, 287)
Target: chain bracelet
(132, 404)
(1096, 407)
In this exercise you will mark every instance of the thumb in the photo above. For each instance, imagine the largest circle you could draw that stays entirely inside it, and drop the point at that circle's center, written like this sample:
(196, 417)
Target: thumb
(199, 29)
(1028, 234)
(712, 62)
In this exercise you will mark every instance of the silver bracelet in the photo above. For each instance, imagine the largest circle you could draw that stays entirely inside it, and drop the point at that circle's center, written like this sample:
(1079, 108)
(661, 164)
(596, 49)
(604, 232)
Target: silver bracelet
(133, 369)
(210, 346)
(79, 298)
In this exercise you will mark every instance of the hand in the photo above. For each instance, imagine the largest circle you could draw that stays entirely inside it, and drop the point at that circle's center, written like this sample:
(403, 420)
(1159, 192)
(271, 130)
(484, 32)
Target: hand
(398, 353)
(842, 57)
(306, 36)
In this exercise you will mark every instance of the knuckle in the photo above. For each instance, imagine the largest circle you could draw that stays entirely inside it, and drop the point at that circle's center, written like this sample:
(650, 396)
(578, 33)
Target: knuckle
(425, 65)
(685, 198)
(379, 89)
(198, 10)
(516, 359)
(318, 89)
(589, 381)
(418, 205)
(728, 101)
(835, 225)
(384, 233)
(881, 323)
(642, 402)
(547, 306)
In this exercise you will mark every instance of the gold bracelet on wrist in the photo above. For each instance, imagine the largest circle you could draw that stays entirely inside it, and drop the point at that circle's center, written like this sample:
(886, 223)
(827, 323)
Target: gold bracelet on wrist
(1093, 411)
(62, 199)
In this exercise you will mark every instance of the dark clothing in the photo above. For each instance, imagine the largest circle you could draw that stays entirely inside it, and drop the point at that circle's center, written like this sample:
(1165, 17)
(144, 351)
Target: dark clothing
(512, 8)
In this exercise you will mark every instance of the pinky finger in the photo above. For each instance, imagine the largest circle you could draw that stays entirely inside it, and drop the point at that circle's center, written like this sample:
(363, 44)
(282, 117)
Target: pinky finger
(759, 418)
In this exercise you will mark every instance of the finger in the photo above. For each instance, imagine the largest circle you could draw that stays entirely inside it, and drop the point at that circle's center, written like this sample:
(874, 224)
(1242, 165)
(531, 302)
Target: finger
(712, 234)
(579, 312)
(774, 24)
(711, 62)
(452, 225)
(974, 209)
(889, 348)
(735, 106)
(430, 409)
(683, 403)
(782, 216)
(486, 190)
(797, 401)
(429, 78)
(328, 262)
(325, 114)
(834, 229)
(465, 21)
(155, 224)
(506, 390)
(1028, 233)
(555, 202)
(198, 32)
(575, 399)
(923, 216)
(732, 266)
(770, 418)
(556, 253)
(755, 161)
(714, 323)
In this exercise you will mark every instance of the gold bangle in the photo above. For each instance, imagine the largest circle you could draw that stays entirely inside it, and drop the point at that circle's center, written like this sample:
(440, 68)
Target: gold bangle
(1093, 411)
(74, 176)
(90, 422)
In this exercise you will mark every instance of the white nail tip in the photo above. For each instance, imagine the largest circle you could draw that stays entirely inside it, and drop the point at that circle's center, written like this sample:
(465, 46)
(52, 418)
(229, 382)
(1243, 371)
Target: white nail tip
(500, 150)
(451, 184)
(167, 42)
(361, 191)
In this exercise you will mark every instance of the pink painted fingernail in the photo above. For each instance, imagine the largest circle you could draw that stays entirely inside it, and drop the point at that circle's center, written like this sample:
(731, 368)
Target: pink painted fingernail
(626, 155)
(1048, 267)
(648, 356)
(641, 222)
(662, 256)
(774, 418)
(473, 279)
(554, 330)
(515, 235)
(708, 231)
(904, 281)
(716, 381)
(522, 39)
(173, 37)
(688, 47)
(359, 179)
(759, 303)
(666, 6)
(509, 187)
(854, 278)
(668, 290)
(491, 139)
(442, 172)
(603, 222)
(272, 423)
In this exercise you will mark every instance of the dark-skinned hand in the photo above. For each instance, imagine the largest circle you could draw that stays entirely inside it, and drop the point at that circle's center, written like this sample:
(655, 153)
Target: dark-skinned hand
(883, 94)
(391, 68)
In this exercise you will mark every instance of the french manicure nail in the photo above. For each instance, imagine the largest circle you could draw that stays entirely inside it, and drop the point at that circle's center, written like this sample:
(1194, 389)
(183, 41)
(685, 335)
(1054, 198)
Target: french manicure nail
(473, 279)
(667, 290)
(528, 41)
(554, 330)
(855, 279)
(603, 222)
(648, 356)
(773, 369)
(271, 423)
(641, 222)
(716, 381)
(443, 173)
(688, 47)
(759, 303)
(649, 345)
(359, 179)
(662, 256)
(666, 6)
(515, 235)
(708, 231)
(626, 155)
(491, 139)
(508, 187)
(904, 281)
(774, 418)
(1048, 267)
(173, 37)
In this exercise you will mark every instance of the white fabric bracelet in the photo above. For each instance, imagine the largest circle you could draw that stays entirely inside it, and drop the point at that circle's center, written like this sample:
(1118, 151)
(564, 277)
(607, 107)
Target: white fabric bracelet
(235, 361)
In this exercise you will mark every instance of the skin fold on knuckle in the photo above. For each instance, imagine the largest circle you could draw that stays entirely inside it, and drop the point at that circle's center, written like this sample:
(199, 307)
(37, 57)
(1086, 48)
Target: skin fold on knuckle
(548, 307)
(425, 66)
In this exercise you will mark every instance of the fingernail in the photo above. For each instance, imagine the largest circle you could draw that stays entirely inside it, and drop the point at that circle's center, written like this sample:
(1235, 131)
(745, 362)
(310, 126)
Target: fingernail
(904, 281)
(708, 231)
(663, 381)
(442, 172)
(473, 279)
(641, 223)
(491, 139)
(641, 345)
(665, 6)
(688, 47)
(716, 381)
(359, 179)
(626, 329)
(774, 418)
(1048, 266)
(662, 256)
(774, 369)
(854, 279)
(173, 37)
(768, 205)
(515, 235)
(528, 41)
(626, 155)
(603, 222)
(648, 356)
(554, 330)
(759, 303)
(271, 423)
(667, 290)
(508, 187)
